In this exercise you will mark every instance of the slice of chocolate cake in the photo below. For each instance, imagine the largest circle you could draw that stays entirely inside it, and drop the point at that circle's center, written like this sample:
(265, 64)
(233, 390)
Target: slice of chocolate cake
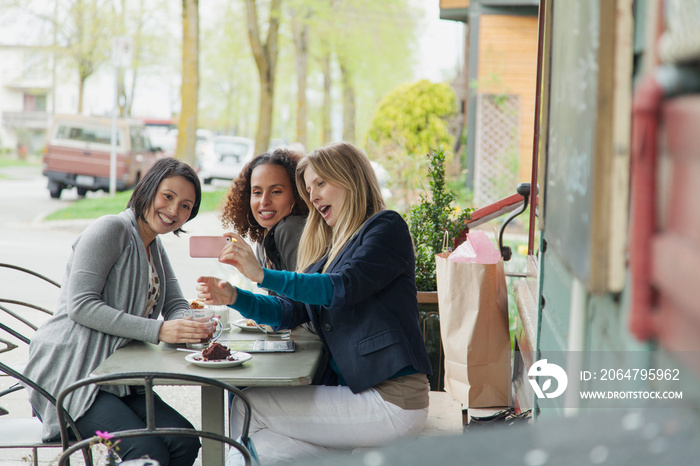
(216, 351)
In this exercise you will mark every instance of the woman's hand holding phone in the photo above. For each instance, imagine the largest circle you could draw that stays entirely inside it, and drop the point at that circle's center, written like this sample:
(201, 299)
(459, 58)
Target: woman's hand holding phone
(239, 254)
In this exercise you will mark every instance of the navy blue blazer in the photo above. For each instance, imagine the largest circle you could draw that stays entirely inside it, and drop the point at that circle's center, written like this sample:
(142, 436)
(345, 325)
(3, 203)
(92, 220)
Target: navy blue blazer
(371, 327)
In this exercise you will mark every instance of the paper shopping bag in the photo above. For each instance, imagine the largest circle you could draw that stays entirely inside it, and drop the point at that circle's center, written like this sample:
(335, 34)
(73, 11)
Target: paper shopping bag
(473, 306)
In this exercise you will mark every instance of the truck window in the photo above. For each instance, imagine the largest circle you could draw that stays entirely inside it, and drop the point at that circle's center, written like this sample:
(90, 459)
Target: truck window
(86, 134)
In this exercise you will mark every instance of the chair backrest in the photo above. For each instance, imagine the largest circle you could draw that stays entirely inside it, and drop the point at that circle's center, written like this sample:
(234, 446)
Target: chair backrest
(148, 379)
(16, 307)
(24, 380)
(7, 345)
(30, 272)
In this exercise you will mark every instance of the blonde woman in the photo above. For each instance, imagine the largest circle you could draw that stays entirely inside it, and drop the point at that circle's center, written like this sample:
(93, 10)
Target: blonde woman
(358, 289)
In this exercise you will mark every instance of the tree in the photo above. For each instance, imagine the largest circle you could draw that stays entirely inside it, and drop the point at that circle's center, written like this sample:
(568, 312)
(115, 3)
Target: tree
(408, 123)
(349, 103)
(228, 84)
(265, 54)
(327, 100)
(83, 32)
(141, 21)
(373, 43)
(187, 126)
(300, 33)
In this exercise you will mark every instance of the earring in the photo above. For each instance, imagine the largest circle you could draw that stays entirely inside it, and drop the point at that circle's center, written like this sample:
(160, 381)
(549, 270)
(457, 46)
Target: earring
(291, 209)
(249, 222)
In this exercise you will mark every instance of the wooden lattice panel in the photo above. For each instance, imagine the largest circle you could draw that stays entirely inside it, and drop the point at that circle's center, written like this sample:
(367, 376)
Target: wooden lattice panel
(497, 147)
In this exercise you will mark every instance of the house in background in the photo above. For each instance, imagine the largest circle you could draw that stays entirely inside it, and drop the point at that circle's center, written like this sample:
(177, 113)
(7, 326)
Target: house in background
(501, 49)
(26, 97)
(35, 84)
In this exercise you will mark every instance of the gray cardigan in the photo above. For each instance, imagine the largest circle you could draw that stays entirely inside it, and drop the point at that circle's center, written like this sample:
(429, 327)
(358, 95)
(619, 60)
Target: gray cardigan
(101, 308)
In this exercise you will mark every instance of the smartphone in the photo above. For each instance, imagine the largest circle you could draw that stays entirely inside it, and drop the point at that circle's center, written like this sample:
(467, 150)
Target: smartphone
(207, 246)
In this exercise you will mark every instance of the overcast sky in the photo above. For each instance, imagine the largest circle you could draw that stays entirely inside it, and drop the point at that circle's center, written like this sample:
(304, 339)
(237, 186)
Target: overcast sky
(442, 45)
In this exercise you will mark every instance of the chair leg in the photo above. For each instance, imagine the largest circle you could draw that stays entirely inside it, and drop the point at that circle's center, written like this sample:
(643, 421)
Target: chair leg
(35, 455)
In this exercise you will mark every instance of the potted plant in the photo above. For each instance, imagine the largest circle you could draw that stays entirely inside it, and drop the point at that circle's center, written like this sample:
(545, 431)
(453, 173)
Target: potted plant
(427, 222)
(430, 219)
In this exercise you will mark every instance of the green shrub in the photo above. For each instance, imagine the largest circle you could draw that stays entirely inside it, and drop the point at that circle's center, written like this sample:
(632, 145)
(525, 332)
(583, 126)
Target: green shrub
(431, 218)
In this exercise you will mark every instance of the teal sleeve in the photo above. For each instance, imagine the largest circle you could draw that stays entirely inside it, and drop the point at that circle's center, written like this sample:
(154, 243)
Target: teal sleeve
(261, 308)
(309, 288)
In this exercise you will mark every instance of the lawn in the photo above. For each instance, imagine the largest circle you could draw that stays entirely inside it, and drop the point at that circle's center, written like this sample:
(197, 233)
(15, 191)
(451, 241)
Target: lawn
(91, 208)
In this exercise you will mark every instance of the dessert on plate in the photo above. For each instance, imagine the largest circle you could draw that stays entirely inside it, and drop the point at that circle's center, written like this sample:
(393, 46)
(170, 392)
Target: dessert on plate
(215, 352)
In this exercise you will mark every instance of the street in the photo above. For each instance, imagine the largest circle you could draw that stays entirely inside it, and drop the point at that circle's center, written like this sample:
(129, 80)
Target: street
(45, 246)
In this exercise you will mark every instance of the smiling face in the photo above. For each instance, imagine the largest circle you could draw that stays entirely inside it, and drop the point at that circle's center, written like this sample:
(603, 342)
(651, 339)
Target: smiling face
(326, 197)
(271, 194)
(170, 210)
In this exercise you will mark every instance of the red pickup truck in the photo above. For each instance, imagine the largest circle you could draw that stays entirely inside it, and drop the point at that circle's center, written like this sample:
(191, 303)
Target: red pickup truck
(78, 151)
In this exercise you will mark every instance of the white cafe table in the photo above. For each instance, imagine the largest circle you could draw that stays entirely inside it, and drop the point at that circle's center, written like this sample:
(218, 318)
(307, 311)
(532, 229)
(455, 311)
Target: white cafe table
(264, 369)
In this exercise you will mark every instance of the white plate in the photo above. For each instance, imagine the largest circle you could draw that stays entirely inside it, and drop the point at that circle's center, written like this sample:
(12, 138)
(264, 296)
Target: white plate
(243, 326)
(240, 358)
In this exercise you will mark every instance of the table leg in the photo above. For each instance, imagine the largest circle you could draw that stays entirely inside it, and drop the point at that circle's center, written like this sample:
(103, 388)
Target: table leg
(212, 421)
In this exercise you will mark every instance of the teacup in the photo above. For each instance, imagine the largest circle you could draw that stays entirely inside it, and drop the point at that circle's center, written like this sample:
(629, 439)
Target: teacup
(208, 316)
(222, 312)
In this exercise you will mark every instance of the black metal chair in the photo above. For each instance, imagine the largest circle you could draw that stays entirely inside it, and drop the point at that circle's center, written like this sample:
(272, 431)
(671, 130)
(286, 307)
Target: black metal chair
(8, 346)
(12, 307)
(21, 312)
(147, 379)
(25, 432)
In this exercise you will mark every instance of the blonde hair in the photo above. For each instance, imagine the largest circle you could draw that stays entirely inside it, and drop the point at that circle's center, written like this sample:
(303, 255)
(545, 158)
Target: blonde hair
(346, 166)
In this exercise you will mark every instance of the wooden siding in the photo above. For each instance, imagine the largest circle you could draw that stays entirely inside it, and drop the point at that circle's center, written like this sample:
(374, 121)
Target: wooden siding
(445, 4)
(508, 65)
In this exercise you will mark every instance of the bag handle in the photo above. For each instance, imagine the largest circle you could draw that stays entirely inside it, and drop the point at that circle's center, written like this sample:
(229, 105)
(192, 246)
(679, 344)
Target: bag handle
(445, 241)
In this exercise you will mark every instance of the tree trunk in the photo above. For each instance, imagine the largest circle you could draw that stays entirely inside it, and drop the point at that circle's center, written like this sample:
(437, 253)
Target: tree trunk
(121, 87)
(262, 137)
(348, 105)
(81, 91)
(130, 97)
(187, 127)
(121, 92)
(266, 61)
(327, 100)
(301, 55)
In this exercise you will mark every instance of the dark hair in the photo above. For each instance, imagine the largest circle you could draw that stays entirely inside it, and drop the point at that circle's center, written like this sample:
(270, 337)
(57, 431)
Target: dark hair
(145, 191)
(236, 204)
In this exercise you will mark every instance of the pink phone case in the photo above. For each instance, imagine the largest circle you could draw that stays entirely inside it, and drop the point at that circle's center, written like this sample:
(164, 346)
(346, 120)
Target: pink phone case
(207, 246)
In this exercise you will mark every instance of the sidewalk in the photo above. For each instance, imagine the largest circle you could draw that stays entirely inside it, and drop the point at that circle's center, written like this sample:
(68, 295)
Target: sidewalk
(445, 418)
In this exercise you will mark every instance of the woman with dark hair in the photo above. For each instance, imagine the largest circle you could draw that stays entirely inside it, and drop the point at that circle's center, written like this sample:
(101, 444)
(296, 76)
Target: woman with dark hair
(355, 281)
(118, 282)
(264, 205)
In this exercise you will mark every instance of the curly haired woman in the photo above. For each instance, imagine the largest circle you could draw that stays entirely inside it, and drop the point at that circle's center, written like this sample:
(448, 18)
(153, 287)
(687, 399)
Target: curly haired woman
(264, 205)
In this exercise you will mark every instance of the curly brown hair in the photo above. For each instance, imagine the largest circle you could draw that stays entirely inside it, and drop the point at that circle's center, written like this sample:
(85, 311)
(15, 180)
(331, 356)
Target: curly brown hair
(235, 209)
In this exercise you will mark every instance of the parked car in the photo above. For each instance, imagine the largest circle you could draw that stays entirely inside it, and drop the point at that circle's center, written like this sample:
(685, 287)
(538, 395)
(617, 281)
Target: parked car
(224, 158)
(78, 152)
(204, 141)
